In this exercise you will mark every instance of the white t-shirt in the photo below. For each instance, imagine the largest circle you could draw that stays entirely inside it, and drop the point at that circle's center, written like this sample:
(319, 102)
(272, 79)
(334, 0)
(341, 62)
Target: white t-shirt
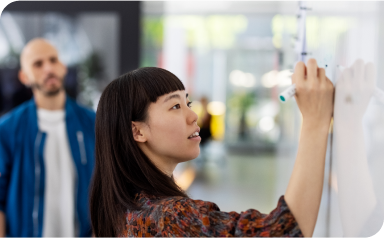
(59, 197)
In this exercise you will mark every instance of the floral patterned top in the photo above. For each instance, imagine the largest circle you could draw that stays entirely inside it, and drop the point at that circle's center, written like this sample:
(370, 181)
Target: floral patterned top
(179, 216)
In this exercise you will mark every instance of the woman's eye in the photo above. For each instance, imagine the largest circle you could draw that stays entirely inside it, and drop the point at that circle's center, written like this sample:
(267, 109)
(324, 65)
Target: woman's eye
(189, 104)
(177, 106)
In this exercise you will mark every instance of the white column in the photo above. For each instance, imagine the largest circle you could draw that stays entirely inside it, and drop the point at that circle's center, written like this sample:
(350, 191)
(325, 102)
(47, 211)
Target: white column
(219, 80)
(175, 50)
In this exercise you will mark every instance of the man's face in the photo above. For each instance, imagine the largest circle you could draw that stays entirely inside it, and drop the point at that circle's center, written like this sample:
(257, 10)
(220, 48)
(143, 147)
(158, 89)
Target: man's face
(41, 68)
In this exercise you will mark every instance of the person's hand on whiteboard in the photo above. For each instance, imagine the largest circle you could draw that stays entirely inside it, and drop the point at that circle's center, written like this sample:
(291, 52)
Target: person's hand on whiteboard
(314, 93)
(354, 89)
(357, 199)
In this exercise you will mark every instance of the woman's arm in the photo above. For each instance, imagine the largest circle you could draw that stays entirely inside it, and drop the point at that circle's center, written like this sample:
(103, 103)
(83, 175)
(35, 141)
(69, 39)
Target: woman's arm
(314, 96)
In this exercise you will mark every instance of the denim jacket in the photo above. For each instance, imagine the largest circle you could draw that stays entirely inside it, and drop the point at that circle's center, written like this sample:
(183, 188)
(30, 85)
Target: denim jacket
(22, 172)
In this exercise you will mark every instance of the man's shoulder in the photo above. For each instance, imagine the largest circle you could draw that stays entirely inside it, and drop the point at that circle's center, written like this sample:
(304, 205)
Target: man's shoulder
(82, 109)
(13, 117)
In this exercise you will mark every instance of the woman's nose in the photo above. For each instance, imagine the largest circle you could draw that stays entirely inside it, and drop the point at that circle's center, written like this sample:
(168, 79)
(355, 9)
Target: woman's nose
(192, 117)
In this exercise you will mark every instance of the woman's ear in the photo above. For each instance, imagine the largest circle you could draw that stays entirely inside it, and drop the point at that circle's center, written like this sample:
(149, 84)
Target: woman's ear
(138, 132)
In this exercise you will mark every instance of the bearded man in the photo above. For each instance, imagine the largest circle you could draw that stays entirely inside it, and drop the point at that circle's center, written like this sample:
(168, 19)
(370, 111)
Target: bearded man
(46, 153)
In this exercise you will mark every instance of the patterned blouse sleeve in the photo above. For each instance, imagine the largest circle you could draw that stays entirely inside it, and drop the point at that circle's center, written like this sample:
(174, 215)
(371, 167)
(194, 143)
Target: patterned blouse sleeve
(187, 217)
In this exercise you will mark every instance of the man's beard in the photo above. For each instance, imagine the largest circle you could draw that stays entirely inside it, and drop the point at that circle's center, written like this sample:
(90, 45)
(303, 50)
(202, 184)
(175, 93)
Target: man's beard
(51, 93)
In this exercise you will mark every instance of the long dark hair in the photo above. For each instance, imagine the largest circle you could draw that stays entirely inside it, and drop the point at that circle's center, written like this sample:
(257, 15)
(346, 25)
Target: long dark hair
(121, 168)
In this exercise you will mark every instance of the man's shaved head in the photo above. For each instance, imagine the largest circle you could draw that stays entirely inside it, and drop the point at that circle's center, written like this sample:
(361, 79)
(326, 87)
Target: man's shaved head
(41, 68)
(32, 48)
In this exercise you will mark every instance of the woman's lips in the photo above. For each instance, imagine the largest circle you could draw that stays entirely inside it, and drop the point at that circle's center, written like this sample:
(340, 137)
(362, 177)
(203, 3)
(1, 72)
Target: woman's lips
(197, 138)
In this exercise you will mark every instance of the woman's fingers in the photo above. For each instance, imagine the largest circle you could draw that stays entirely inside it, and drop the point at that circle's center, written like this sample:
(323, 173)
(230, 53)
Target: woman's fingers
(321, 73)
(299, 74)
(312, 69)
(309, 77)
(314, 92)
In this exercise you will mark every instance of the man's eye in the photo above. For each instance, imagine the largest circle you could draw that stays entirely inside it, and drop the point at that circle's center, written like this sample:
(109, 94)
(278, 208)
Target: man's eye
(177, 106)
(38, 64)
(189, 104)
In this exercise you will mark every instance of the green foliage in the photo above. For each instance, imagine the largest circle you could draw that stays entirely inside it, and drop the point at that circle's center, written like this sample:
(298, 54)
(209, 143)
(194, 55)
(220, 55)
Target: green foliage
(242, 101)
(152, 40)
(153, 28)
(92, 67)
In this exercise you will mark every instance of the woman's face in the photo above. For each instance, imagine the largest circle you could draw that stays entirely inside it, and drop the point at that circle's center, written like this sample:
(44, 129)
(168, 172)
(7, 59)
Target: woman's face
(170, 129)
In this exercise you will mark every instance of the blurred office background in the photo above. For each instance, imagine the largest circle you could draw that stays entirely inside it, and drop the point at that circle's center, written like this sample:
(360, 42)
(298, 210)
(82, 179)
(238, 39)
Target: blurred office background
(236, 55)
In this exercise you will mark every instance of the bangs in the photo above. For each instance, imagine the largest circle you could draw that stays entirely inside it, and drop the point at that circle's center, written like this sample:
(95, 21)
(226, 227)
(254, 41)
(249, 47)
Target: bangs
(156, 82)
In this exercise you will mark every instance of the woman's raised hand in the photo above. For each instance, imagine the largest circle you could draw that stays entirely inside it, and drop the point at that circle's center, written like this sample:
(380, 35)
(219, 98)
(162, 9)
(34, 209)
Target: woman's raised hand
(314, 93)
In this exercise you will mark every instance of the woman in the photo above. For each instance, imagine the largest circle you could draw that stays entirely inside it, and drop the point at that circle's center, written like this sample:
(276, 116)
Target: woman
(145, 127)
